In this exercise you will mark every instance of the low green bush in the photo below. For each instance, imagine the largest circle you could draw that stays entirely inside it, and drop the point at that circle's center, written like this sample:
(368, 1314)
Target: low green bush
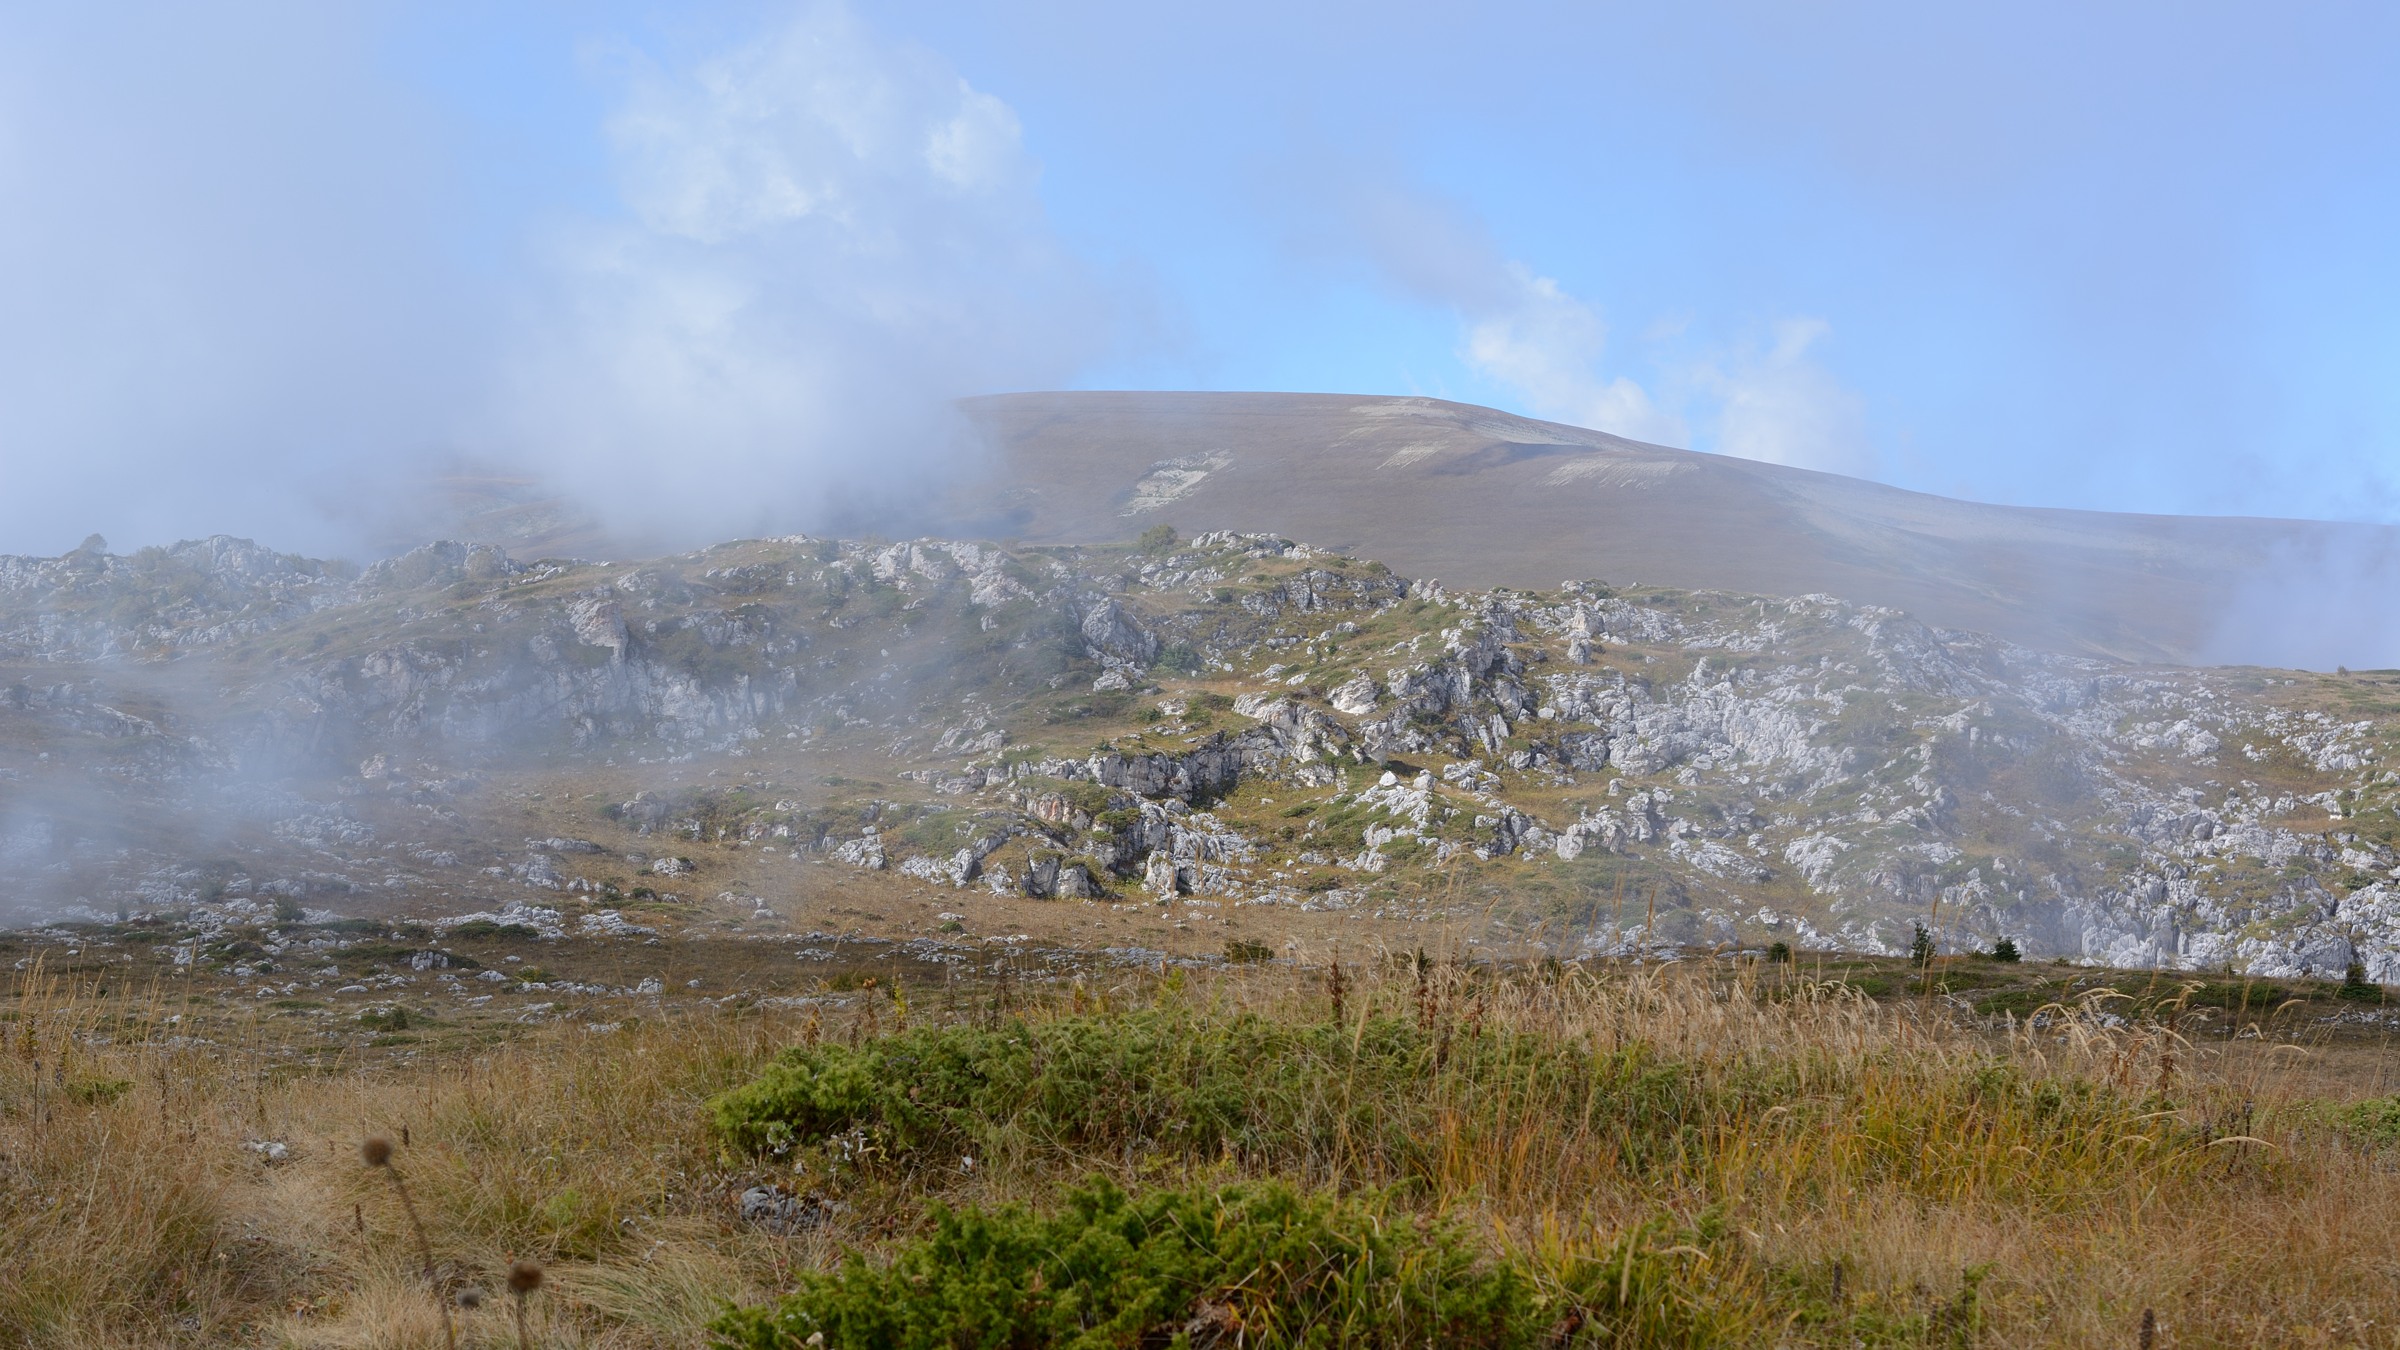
(1265, 1266)
(1379, 1099)
(1419, 1105)
(1257, 1265)
(1179, 658)
(2374, 1121)
(2357, 987)
(474, 929)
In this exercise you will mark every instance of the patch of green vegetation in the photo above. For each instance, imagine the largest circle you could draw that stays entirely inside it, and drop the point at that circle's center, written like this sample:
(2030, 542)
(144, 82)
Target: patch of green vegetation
(1920, 946)
(474, 929)
(1103, 705)
(361, 926)
(1186, 1083)
(394, 1018)
(1869, 983)
(1254, 1265)
(2356, 987)
(2019, 1003)
(935, 832)
(1088, 797)
(1243, 951)
(2374, 1121)
(2252, 996)
(1386, 1099)
(98, 1091)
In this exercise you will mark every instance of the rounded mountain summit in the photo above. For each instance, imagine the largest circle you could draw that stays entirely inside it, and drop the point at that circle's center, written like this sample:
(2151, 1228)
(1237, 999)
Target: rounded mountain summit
(1483, 498)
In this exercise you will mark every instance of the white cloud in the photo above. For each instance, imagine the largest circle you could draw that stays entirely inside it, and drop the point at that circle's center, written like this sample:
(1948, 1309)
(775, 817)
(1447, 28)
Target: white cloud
(1517, 328)
(1778, 405)
(1548, 346)
(1551, 348)
(831, 237)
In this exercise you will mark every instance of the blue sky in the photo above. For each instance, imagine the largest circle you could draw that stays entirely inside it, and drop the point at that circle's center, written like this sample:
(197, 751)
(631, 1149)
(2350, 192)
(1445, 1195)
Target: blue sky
(262, 264)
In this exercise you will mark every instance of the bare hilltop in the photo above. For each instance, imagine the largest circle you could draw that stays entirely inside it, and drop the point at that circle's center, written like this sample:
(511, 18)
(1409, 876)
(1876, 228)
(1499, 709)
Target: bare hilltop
(1484, 498)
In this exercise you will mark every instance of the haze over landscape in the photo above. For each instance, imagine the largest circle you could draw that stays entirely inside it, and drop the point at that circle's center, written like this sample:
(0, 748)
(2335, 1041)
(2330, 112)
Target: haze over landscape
(2096, 264)
(784, 675)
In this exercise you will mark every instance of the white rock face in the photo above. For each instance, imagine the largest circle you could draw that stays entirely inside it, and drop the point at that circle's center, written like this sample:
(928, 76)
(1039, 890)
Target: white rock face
(1159, 875)
(866, 852)
(1355, 696)
(598, 622)
(1110, 631)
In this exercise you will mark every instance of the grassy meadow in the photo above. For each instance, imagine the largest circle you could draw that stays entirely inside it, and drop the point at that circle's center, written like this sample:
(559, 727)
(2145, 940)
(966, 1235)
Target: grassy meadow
(1392, 1151)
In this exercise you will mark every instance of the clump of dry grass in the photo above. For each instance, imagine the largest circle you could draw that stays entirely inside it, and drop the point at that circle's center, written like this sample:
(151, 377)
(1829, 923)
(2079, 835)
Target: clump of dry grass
(2034, 1187)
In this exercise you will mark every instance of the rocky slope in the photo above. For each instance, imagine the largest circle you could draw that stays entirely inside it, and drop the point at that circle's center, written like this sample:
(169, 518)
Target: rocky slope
(1237, 722)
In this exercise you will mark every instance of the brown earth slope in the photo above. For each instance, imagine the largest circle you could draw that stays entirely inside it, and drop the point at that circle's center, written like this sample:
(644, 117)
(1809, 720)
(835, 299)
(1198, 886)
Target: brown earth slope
(1482, 498)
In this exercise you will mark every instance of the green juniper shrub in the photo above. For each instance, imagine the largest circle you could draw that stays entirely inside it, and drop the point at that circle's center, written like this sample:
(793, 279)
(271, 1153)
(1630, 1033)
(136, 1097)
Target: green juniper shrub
(2375, 1121)
(98, 1091)
(2005, 951)
(1780, 953)
(1920, 947)
(1257, 1265)
(1243, 1088)
(1381, 1100)
(487, 928)
(2357, 987)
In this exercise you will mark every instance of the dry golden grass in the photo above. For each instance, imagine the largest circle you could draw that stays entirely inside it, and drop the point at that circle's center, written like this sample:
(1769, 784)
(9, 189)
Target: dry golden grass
(2196, 1180)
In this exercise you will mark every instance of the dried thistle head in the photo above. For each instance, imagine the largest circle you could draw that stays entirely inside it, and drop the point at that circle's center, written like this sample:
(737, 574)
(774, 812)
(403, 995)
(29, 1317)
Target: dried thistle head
(376, 1151)
(524, 1277)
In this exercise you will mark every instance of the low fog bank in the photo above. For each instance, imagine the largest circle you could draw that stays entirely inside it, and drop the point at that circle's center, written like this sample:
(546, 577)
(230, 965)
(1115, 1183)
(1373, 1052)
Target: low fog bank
(2319, 605)
(805, 243)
